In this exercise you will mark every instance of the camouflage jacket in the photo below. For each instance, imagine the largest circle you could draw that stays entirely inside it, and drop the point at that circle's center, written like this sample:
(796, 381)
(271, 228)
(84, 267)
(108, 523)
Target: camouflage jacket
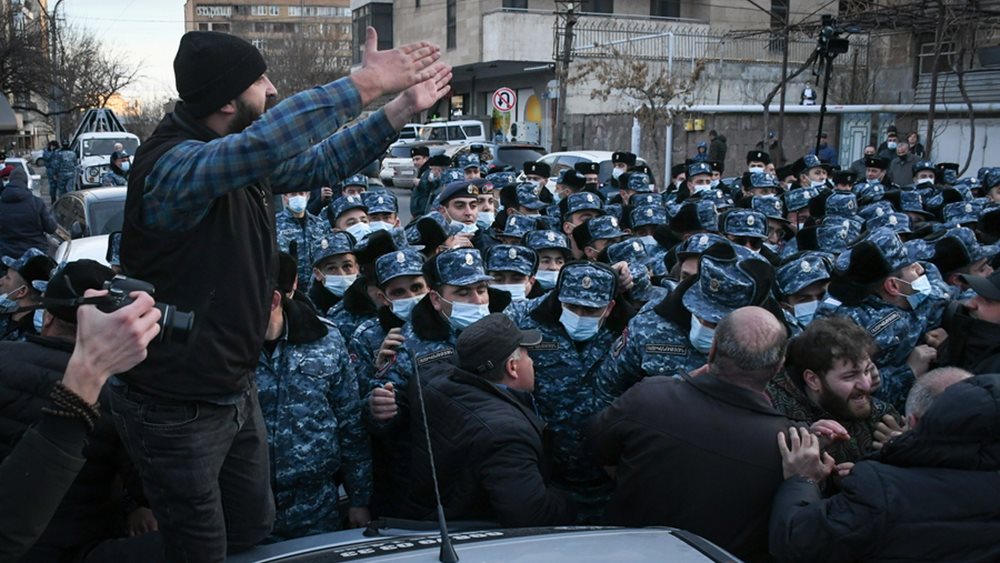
(790, 400)
(355, 308)
(111, 179)
(311, 406)
(364, 345)
(306, 232)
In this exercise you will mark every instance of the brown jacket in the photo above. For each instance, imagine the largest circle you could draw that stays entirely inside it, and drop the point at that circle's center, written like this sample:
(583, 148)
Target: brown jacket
(696, 453)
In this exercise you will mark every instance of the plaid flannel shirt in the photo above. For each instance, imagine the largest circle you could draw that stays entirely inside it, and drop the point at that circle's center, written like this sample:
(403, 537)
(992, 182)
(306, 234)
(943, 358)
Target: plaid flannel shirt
(296, 145)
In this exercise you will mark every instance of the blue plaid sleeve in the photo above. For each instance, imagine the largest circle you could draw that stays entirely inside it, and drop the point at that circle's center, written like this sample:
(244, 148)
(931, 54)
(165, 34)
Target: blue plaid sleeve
(186, 179)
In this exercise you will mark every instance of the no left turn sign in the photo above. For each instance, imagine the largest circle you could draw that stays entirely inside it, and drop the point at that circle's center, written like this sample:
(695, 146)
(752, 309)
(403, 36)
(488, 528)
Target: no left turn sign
(504, 99)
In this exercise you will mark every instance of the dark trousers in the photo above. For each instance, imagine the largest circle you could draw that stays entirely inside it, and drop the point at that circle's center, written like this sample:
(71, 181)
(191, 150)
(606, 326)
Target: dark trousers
(204, 468)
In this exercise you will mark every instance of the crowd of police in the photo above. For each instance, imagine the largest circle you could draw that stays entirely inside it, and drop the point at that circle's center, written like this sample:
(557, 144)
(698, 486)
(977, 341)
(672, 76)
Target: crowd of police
(558, 352)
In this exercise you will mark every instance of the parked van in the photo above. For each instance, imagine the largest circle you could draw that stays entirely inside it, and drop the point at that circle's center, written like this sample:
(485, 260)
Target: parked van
(453, 132)
(409, 133)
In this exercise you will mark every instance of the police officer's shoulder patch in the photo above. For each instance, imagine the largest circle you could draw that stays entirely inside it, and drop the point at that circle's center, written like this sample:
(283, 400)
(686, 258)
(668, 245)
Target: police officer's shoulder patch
(620, 343)
(668, 349)
(435, 356)
(545, 346)
(884, 323)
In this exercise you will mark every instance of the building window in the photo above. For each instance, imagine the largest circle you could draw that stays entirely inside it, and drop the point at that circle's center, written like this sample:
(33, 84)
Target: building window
(779, 13)
(516, 4)
(378, 16)
(665, 8)
(213, 11)
(223, 27)
(926, 57)
(319, 11)
(203, 27)
(451, 23)
(261, 10)
(598, 6)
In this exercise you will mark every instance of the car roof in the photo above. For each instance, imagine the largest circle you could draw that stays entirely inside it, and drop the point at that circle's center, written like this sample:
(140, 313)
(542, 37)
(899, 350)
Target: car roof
(549, 544)
(92, 248)
(103, 194)
(596, 156)
(108, 134)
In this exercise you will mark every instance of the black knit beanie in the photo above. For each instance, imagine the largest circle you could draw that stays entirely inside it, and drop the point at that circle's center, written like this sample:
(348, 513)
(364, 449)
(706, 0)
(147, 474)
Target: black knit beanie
(212, 68)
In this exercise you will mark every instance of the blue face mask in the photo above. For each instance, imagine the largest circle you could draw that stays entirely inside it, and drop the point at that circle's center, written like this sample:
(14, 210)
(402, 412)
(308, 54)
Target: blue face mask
(403, 308)
(39, 320)
(516, 290)
(468, 228)
(486, 217)
(922, 290)
(547, 278)
(338, 284)
(359, 230)
(805, 312)
(125, 166)
(579, 328)
(464, 314)
(380, 226)
(701, 336)
(8, 305)
(297, 203)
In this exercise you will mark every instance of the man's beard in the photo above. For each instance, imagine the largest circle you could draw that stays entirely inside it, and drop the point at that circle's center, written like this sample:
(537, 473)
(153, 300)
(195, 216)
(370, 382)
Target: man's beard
(246, 114)
(844, 408)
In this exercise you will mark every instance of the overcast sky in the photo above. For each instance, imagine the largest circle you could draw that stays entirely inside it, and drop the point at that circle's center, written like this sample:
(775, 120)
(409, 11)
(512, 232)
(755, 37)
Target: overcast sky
(145, 32)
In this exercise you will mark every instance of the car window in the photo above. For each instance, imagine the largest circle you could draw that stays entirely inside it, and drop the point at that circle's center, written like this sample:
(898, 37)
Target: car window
(400, 152)
(473, 130)
(517, 156)
(455, 133)
(565, 161)
(63, 212)
(93, 147)
(435, 134)
(106, 217)
(604, 174)
(76, 214)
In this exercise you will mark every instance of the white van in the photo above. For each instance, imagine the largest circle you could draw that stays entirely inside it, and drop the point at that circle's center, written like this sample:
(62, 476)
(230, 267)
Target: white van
(409, 133)
(453, 132)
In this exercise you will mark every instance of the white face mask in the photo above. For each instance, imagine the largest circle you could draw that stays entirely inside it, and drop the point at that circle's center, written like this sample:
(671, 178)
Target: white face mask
(467, 229)
(517, 291)
(818, 183)
(547, 278)
(403, 308)
(579, 328)
(464, 314)
(359, 230)
(486, 217)
(297, 203)
(756, 169)
(891, 144)
(714, 183)
(925, 181)
(380, 226)
(616, 172)
(338, 284)
(696, 188)
(701, 336)
(805, 312)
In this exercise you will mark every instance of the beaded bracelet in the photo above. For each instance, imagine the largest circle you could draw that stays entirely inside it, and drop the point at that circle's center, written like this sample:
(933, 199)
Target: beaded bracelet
(68, 404)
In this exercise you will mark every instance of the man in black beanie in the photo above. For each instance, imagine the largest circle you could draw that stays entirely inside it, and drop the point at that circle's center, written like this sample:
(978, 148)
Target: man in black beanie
(199, 227)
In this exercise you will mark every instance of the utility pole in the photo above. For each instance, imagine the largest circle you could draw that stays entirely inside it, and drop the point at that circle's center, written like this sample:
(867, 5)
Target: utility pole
(567, 13)
(53, 65)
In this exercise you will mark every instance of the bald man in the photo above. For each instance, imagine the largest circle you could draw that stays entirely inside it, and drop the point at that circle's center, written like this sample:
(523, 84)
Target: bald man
(699, 452)
(919, 399)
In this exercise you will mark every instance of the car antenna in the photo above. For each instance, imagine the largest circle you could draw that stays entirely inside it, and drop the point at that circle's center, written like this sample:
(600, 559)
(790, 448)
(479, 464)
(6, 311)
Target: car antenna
(448, 554)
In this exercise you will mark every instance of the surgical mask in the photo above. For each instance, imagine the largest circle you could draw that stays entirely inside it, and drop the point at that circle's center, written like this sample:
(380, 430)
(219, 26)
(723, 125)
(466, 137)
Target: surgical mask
(338, 284)
(805, 312)
(486, 217)
(699, 188)
(701, 336)
(547, 278)
(579, 328)
(464, 314)
(467, 228)
(756, 169)
(925, 181)
(516, 290)
(772, 247)
(800, 225)
(432, 176)
(891, 144)
(818, 183)
(714, 183)
(380, 226)
(125, 166)
(922, 290)
(403, 308)
(38, 320)
(648, 240)
(8, 305)
(359, 230)
(297, 203)
(616, 172)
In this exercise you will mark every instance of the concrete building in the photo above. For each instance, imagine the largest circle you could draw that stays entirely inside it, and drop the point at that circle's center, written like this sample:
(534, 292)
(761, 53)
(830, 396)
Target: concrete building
(20, 20)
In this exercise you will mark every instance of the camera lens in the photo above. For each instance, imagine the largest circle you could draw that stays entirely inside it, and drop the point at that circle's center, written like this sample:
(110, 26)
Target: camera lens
(175, 326)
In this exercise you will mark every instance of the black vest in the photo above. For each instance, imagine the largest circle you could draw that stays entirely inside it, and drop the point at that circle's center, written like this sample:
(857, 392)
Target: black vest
(224, 270)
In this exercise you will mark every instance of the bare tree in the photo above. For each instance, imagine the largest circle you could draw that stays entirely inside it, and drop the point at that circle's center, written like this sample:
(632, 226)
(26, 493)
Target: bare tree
(301, 62)
(24, 69)
(648, 83)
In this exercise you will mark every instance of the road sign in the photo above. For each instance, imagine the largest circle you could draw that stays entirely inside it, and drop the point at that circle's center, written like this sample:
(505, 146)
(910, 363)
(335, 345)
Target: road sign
(504, 99)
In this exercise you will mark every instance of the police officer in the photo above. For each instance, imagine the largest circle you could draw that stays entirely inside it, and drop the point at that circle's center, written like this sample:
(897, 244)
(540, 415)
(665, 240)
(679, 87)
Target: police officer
(748, 229)
(537, 173)
(597, 234)
(578, 321)
(428, 186)
(354, 185)
(310, 403)
(295, 223)
(698, 180)
(383, 211)
(553, 253)
(119, 165)
(16, 291)
(49, 157)
(513, 269)
(65, 171)
(803, 280)
(892, 297)
(958, 254)
(334, 269)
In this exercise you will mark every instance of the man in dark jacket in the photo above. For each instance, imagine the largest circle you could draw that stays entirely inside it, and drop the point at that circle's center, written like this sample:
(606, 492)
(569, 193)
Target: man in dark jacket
(974, 328)
(699, 452)
(39, 471)
(24, 220)
(933, 493)
(199, 226)
(717, 149)
(486, 437)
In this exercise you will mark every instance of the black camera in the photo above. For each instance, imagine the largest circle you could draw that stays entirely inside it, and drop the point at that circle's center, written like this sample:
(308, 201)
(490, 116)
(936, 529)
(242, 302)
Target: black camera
(175, 326)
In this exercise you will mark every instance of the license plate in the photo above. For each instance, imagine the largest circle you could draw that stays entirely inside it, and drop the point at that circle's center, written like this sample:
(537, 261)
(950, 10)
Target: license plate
(405, 172)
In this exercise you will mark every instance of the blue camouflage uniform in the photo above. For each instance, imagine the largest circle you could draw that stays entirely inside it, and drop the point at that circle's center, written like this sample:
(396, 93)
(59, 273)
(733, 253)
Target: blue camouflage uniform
(565, 375)
(307, 232)
(111, 178)
(796, 274)
(311, 407)
(64, 169)
(36, 269)
(333, 244)
(896, 331)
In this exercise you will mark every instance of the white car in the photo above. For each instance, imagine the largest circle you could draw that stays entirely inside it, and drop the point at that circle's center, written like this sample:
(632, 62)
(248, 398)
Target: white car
(397, 166)
(93, 152)
(559, 161)
(34, 179)
(92, 248)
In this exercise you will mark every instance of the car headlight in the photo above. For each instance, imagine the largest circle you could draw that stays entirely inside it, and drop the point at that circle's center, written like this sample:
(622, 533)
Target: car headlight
(92, 173)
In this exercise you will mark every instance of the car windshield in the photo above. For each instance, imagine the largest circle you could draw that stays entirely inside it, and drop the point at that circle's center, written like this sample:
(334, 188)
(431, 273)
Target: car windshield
(106, 217)
(400, 152)
(93, 147)
(517, 156)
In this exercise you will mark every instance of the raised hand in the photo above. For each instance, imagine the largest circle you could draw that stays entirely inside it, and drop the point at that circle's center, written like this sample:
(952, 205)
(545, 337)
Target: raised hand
(800, 455)
(395, 70)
